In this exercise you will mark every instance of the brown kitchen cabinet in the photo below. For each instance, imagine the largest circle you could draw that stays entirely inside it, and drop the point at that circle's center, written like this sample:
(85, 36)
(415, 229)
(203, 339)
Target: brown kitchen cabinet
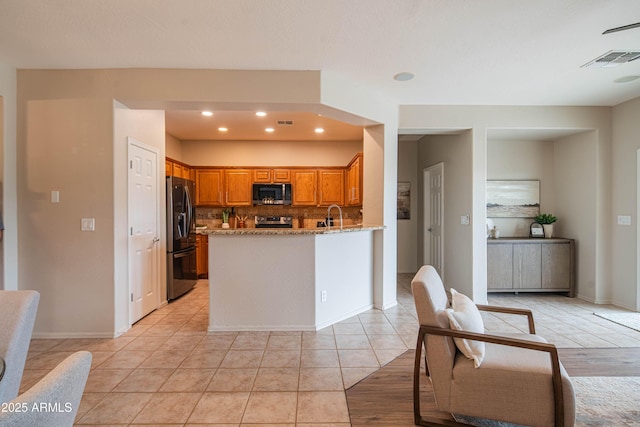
(304, 183)
(202, 255)
(174, 168)
(271, 175)
(354, 182)
(209, 187)
(331, 186)
(238, 187)
(530, 265)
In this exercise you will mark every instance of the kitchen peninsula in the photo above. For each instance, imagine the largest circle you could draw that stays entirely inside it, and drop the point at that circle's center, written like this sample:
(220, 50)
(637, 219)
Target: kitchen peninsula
(289, 279)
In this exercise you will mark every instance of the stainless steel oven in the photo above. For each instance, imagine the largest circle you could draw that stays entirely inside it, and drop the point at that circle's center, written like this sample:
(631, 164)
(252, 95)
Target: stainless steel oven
(274, 222)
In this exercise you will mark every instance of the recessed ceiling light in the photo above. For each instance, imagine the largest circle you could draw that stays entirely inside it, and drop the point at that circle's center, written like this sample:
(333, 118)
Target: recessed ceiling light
(319, 130)
(404, 76)
(207, 113)
(626, 79)
(222, 129)
(269, 130)
(260, 113)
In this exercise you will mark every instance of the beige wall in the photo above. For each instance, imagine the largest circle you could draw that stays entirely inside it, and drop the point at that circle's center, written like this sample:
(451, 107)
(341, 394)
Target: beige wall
(625, 198)
(73, 270)
(173, 147)
(522, 160)
(575, 171)
(95, 191)
(276, 153)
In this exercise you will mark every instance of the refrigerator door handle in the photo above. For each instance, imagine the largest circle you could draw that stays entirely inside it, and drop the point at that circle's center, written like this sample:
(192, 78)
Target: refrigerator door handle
(189, 210)
(181, 226)
(183, 254)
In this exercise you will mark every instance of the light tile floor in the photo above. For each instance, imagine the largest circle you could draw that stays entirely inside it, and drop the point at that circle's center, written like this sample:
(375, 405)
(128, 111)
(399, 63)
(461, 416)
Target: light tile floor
(167, 370)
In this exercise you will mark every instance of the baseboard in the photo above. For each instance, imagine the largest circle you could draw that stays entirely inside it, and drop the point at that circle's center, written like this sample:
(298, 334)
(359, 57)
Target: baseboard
(261, 328)
(61, 335)
(355, 312)
(387, 306)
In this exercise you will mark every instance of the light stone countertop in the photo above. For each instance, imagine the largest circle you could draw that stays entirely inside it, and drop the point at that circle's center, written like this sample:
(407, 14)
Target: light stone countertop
(287, 231)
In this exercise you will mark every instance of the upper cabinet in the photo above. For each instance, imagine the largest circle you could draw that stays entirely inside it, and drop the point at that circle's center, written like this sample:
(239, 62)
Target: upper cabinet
(304, 185)
(331, 186)
(275, 176)
(238, 187)
(217, 186)
(174, 168)
(354, 181)
(209, 187)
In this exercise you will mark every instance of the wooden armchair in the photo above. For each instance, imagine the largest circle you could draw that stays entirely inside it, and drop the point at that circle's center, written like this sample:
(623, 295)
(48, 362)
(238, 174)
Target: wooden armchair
(520, 379)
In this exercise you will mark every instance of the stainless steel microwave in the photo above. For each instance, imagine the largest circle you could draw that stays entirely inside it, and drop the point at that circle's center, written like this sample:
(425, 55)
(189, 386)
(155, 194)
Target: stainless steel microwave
(271, 194)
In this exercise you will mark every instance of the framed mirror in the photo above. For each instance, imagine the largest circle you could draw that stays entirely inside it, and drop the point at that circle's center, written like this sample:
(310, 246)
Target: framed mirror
(536, 230)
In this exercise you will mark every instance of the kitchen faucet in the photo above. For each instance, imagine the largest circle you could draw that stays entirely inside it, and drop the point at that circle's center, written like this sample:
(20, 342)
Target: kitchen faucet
(329, 215)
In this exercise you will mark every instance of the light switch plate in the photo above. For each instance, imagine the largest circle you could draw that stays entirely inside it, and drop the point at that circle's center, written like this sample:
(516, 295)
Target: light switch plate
(55, 196)
(88, 224)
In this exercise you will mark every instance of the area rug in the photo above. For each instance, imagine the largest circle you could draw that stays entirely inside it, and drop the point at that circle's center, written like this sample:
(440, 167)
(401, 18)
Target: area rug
(600, 401)
(384, 398)
(630, 320)
(607, 401)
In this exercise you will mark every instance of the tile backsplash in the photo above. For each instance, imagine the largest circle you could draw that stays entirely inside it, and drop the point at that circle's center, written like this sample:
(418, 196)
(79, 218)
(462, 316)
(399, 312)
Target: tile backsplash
(309, 216)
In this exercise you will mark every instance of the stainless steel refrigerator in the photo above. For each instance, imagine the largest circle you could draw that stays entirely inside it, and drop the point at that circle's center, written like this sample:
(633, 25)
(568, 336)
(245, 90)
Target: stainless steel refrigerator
(182, 272)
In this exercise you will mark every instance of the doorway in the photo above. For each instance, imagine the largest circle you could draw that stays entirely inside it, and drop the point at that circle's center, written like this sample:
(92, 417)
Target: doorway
(144, 232)
(433, 239)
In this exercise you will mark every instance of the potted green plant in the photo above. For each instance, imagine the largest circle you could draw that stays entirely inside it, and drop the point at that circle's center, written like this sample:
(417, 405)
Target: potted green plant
(225, 218)
(547, 221)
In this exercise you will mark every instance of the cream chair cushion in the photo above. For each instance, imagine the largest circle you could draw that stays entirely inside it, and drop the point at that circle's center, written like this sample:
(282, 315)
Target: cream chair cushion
(465, 316)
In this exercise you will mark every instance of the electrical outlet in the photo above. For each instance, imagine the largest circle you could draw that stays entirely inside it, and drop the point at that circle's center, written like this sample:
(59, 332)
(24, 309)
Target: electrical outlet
(88, 224)
(624, 219)
(323, 296)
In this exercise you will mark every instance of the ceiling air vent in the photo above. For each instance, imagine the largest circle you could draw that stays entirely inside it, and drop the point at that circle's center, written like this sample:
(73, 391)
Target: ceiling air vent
(613, 58)
(285, 122)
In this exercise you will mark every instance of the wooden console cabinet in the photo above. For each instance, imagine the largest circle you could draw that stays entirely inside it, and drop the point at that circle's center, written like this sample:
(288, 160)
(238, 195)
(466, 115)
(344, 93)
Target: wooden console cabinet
(531, 265)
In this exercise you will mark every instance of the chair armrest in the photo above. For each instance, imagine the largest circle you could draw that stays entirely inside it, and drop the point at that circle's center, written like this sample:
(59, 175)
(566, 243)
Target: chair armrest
(556, 377)
(509, 310)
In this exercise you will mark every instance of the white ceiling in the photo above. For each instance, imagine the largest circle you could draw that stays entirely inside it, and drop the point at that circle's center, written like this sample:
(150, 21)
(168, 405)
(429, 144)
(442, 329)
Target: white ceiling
(483, 52)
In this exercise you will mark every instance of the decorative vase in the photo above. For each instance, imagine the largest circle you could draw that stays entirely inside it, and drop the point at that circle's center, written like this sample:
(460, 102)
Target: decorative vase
(548, 230)
(225, 225)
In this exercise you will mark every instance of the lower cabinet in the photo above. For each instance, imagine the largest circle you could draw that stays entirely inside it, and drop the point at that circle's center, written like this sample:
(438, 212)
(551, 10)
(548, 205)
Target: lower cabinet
(531, 265)
(202, 255)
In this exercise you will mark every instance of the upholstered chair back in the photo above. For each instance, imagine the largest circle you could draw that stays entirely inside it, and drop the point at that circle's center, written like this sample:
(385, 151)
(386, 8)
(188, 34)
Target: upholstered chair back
(431, 302)
(61, 390)
(17, 317)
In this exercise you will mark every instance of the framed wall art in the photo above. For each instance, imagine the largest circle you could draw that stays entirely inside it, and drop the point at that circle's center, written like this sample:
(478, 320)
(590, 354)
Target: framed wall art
(513, 198)
(404, 200)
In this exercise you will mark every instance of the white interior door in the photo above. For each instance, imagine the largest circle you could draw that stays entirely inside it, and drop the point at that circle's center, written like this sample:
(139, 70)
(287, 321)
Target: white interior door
(143, 230)
(434, 217)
